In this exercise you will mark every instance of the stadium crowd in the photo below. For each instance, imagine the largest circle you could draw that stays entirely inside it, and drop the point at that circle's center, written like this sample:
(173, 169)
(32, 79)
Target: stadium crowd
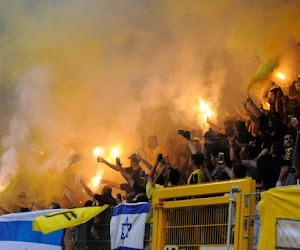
(264, 146)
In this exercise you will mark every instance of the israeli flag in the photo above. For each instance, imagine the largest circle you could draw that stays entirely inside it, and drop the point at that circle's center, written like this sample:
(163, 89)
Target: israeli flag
(127, 226)
(16, 233)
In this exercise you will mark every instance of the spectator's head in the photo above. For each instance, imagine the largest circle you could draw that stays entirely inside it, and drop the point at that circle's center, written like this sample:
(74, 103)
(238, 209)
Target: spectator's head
(247, 152)
(277, 149)
(106, 190)
(161, 180)
(24, 209)
(140, 197)
(240, 126)
(95, 232)
(54, 205)
(214, 157)
(275, 118)
(196, 160)
(152, 142)
(88, 203)
(288, 140)
(174, 176)
(272, 94)
(134, 161)
(210, 136)
(239, 170)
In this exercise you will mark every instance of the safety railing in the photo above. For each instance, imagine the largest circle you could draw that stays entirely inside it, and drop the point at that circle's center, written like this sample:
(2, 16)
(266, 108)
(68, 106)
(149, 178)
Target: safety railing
(251, 220)
(205, 216)
(95, 235)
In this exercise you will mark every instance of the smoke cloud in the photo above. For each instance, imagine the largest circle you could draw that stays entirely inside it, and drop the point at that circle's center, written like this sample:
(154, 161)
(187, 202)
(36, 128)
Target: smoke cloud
(80, 74)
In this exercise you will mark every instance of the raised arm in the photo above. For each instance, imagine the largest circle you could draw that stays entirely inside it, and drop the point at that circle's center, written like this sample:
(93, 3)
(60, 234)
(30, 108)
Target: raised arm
(127, 177)
(187, 136)
(152, 172)
(147, 164)
(233, 157)
(5, 209)
(111, 183)
(160, 171)
(100, 159)
(252, 116)
(255, 109)
(86, 187)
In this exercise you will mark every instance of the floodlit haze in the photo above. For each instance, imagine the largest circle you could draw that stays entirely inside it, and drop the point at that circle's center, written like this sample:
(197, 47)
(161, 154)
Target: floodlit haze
(76, 75)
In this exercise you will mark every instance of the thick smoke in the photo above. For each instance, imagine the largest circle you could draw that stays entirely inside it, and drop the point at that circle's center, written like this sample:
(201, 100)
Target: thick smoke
(80, 74)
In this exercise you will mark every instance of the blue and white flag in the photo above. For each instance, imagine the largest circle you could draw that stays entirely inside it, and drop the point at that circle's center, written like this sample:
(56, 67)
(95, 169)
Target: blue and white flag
(16, 233)
(127, 226)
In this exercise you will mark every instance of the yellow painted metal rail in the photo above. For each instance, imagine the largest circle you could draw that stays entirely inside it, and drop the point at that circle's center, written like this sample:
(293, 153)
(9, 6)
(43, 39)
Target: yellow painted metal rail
(196, 216)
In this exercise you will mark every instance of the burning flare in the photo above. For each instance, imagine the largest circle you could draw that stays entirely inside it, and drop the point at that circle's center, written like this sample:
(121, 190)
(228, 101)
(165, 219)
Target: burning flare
(280, 76)
(95, 181)
(114, 152)
(98, 151)
(205, 110)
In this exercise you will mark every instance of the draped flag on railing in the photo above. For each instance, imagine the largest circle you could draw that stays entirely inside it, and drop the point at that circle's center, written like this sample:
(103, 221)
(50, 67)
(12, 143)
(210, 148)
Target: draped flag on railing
(16, 233)
(127, 226)
(65, 218)
(279, 218)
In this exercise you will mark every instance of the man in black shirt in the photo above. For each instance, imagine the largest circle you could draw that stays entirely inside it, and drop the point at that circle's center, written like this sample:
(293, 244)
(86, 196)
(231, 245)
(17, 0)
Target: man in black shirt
(104, 198)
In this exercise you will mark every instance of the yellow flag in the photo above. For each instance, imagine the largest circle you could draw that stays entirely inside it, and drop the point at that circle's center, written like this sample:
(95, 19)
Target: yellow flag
(65, 218)
(263, 73)
(279, 212)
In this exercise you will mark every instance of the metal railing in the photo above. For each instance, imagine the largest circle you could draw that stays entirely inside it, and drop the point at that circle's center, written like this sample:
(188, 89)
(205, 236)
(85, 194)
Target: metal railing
(196, 216)
(95, 234)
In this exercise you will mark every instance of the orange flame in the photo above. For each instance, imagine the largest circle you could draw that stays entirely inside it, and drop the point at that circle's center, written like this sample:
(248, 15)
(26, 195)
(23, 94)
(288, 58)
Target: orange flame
(115, 152)
(205, 110)
(98, 151)
(280, 76)
(95, 181)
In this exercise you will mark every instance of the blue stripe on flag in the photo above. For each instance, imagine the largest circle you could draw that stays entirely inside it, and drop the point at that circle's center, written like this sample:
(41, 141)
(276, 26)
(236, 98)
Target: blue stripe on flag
(131, 208)
(22, 231)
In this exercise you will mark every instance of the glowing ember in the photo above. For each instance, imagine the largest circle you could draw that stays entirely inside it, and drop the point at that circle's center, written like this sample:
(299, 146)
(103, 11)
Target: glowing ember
(205, 110)
(98, 151)
(114, 152)
(280, 76)
(94, 184)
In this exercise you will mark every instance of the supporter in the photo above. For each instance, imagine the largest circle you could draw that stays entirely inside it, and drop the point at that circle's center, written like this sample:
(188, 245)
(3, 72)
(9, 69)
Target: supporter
(134, 171)
(247, 155)
(8, 211)
(53, 205)
(285, 176)
(241, 135)
(254, 122)
(210, 144)
(238, 170)
(197, 176)
(138, 188)
(273, 96)
(271, 164)
(104, 198)
(153, 149)
(288, 144)
(220, 170)
(159, 182)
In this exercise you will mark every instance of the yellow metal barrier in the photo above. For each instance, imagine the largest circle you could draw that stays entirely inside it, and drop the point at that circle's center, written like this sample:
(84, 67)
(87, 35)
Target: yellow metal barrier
(196, 216)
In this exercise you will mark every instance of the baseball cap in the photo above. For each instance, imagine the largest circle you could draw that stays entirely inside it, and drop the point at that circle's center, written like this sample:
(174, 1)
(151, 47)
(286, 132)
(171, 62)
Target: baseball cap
(133, 157)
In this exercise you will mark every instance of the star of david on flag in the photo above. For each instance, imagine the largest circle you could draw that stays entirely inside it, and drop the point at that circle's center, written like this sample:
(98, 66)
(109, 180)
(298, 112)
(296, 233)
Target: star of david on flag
(127, 226)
